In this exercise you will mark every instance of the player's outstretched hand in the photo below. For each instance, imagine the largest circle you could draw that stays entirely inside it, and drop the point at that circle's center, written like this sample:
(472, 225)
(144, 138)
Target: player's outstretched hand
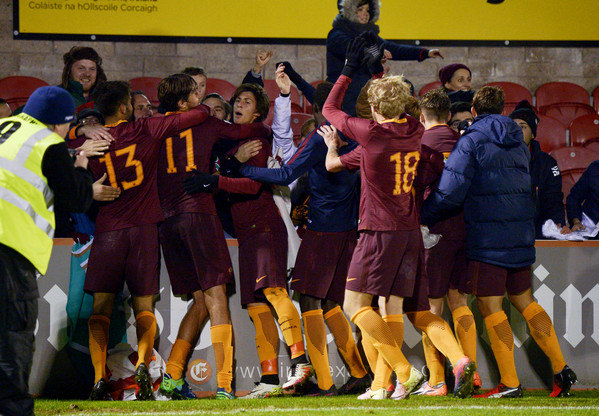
(293, 76)
(435, 53)
(282, 79)
(93, 147)
(96, 132)
(200, 182)
(104, 192)
(330, 136)
(354, 56)
(248, 150)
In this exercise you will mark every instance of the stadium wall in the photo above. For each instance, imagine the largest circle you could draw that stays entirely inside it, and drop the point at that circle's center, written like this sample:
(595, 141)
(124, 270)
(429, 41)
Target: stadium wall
(564, 282)
(529, 66)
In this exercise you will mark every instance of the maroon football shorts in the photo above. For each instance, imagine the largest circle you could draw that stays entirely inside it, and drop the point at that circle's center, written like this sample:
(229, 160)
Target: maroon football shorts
(486, 279)
(195, 252)
(385, 263)
(322, 264)
(262, 264)
(129, 255)
(446, 267)
(418, 302)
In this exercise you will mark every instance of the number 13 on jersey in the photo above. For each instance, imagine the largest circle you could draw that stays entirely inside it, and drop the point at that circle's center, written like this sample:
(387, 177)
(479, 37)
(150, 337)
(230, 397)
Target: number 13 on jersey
(139, 170)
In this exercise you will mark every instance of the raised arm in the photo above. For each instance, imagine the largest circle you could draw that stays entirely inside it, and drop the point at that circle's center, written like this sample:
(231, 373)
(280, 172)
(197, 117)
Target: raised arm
(304, 86)
(281, 124)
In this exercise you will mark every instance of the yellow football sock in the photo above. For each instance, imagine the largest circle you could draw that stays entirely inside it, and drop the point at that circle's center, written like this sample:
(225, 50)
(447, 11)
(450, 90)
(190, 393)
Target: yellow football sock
(502, 344)
(344, 339)
(178, 358)
(465, 330)
(316, 342)
(543, 333)
(396, 325)
(146, 332)
(267, 338)
(222, 342)
(435, 361)
(375, 328)
(439, 333)
(289, 319)
(99, 326)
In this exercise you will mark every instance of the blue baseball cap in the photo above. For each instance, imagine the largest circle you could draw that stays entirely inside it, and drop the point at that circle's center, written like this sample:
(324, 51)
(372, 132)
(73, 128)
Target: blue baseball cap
(51, 105)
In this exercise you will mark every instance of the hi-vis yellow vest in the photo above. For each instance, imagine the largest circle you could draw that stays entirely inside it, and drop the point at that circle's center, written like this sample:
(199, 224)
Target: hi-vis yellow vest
(26, 202)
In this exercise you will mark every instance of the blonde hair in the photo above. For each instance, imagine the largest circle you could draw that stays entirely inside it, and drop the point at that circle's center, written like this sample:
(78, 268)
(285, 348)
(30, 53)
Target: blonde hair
(389, 95)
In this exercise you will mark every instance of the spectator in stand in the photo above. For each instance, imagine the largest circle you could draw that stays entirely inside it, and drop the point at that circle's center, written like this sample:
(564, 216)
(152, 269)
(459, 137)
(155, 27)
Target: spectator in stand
(141, 106)
(81, 74)
(356, 17)
(200, 77)
(545, 175)
(584, 198)
(5, 110)
(455, 77)
(219, 107)
(460, 111)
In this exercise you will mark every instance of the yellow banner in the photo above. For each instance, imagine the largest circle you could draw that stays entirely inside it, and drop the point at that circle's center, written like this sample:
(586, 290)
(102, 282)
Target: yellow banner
(464, 20)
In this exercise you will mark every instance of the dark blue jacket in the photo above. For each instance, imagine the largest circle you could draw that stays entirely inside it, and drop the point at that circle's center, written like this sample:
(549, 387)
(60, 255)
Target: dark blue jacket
(333, 196)
(546, 188)
(487, 173)
(340, 36)
(584, 195)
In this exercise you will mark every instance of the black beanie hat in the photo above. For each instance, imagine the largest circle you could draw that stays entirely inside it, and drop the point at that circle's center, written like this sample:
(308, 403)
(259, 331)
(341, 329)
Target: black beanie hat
(524, 111)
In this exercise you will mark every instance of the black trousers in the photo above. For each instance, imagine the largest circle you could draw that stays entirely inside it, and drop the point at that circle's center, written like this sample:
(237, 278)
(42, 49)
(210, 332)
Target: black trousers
(18, 315)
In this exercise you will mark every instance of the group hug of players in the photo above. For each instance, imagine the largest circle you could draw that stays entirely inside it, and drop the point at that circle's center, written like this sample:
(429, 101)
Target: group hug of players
(162, 167)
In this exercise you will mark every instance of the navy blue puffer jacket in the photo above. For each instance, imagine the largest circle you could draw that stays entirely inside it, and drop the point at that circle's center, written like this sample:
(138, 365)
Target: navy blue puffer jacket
(488, 174)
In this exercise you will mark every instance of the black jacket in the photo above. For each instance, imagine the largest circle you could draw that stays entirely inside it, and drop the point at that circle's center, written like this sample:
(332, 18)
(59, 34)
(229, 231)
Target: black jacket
(547, 192)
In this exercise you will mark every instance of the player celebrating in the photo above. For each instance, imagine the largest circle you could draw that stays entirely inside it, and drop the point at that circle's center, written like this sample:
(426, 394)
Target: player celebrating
(262, 240)
(126, 243)
(386, 260)
(192, 238)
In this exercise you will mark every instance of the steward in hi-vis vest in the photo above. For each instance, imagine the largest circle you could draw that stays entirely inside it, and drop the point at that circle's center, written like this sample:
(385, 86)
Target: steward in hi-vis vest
(36, 173)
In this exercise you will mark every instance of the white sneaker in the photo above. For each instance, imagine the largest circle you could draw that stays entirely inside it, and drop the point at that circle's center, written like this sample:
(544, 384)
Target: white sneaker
(262, 390)
(400, 392)
(380, 394)
(297, 375)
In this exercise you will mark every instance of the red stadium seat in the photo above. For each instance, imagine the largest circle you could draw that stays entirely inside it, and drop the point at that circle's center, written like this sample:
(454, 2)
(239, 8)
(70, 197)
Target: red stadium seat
(149, 85)
(297, 120)
(272, 89)
(560, 92)
(514, 93)
(595, 95)
(594, 147)
(551, 134)
(584, 129)
(428, 87)
(220, 86)
(573, 158)
(565, 113)
(572, 162)
(569, 178)
(17, 89)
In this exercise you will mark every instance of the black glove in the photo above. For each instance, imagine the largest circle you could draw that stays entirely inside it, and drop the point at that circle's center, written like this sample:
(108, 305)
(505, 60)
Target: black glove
(354, 56)
(293, 76)
(200, 182)
(373, 52)
(231, 167)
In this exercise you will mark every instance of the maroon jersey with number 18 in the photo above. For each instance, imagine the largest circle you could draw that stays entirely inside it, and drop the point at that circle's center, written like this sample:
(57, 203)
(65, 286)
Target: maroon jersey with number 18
(131, 164)
(389, 157)
(191, 149)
